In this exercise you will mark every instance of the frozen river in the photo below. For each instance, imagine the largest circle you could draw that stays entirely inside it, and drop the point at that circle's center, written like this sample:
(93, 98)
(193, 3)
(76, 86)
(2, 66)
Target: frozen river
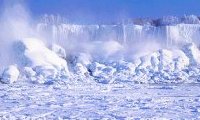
(97, 101)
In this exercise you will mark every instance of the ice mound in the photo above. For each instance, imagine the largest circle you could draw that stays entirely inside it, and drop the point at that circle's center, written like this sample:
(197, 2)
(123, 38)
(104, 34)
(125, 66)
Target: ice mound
(78, 63)
(10, 74)
(193, 53)
(41, 62)
(102, 73)
(164, 65)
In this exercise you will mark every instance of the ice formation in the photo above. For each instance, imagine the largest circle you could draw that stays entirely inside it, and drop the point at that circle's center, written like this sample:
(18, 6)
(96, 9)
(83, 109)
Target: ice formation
(10, 74)
(109, 54)
(40, 64)
(39, 61)
(167, 31)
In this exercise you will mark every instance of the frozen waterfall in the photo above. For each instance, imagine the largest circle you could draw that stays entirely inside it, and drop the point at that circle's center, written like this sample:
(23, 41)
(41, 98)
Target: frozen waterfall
(166, 35)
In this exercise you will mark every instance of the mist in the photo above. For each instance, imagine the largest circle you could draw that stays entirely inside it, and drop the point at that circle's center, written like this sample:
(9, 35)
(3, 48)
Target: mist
(15, 22)
(100, 41)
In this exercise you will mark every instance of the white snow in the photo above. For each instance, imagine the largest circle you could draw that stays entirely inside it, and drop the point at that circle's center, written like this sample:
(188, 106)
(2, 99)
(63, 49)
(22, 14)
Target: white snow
(192, 53)
(96, 101)
(40, 55)
(41, 64)
(44, 62)
(10, 74)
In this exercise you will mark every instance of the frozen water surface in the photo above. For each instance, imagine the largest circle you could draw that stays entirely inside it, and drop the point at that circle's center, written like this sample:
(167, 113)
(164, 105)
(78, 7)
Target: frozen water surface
(98, 101)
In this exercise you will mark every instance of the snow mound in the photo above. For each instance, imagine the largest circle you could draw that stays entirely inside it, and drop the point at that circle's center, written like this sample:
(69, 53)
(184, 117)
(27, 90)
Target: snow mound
(46, 64)
(10, 74)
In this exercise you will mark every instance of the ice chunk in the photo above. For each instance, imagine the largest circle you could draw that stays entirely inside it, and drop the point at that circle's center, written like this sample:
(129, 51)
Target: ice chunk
(181, 60)
(166, 60)
(125, 66)
(191, 19)
(155, 60)
(81, 69)
(29, 72)
(78, 63)
(145, 62)
(193, 53)
(168, 20)
(10, 74)
(102, 73)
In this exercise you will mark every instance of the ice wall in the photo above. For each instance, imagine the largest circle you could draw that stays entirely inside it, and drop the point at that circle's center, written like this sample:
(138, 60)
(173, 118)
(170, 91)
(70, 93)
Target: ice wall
(167, 35)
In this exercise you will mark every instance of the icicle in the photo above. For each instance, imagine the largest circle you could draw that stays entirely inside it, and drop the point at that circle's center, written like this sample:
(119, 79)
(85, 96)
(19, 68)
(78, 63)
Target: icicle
(124, 34)
(167, 35)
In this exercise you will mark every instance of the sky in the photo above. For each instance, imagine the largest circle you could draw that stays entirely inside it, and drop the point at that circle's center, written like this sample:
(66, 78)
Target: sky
(92, 11)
